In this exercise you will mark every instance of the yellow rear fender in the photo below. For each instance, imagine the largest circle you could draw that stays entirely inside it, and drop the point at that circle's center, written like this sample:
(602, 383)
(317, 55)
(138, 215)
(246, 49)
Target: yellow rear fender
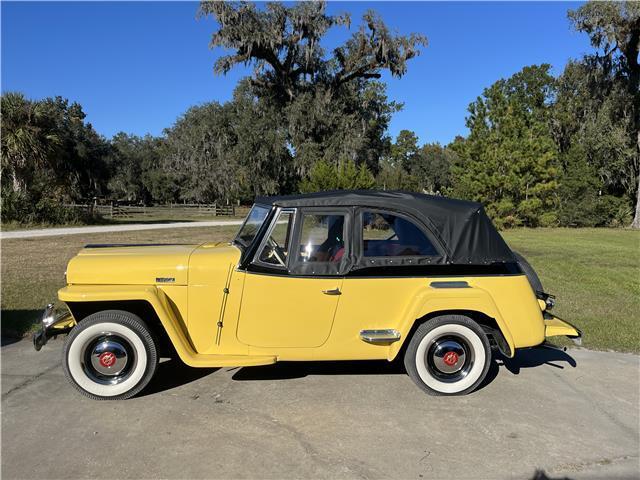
(474, 302)
(155, 297)
(555, 327)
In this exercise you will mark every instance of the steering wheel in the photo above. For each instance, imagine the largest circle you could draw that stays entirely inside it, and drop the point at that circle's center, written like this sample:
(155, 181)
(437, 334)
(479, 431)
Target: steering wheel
(276, 250)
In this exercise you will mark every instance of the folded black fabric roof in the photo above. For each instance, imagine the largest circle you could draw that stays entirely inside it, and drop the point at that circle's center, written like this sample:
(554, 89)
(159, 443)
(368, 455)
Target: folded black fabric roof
(463, 229)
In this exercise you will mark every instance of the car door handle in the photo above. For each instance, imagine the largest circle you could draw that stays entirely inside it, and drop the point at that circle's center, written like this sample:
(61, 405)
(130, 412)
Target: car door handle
(335, 291)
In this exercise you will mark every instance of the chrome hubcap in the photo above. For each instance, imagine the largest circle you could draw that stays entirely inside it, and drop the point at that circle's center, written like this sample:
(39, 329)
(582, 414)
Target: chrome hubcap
(109, 357)
(449, 358)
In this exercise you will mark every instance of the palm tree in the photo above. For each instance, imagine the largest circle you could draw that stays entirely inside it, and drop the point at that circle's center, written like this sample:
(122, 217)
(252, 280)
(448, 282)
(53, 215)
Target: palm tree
(24, 143)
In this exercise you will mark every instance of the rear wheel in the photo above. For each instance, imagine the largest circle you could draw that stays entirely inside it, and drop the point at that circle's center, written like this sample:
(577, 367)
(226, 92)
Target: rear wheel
(448, 355)
(110, 355)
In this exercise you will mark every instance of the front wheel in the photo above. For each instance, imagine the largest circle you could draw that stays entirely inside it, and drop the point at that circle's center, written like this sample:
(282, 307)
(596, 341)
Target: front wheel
(448, 355)
(110, 355)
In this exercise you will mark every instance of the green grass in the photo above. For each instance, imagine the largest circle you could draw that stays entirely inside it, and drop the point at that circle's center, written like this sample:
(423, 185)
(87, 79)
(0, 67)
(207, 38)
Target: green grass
(595, 276)
(594, 273)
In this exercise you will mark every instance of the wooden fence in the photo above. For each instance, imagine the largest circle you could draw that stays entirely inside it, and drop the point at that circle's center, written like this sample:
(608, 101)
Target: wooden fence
(176, 210)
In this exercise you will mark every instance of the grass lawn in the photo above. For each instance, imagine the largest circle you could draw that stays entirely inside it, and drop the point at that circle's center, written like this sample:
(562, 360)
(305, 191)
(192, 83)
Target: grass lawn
(595, 276)
(594, 273)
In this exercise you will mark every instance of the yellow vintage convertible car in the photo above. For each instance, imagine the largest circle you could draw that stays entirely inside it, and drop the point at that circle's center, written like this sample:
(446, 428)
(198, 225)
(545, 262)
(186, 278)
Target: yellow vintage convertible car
(327, 276)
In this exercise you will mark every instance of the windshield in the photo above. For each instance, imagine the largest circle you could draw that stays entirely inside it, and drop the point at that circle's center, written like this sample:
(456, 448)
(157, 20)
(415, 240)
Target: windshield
(251, 225)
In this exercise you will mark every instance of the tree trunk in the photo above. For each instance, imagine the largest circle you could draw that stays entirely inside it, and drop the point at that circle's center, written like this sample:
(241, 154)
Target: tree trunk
(636, 218)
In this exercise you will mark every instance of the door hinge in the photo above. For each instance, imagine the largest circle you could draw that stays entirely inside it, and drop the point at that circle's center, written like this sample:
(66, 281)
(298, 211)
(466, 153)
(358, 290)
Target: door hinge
(223, 305)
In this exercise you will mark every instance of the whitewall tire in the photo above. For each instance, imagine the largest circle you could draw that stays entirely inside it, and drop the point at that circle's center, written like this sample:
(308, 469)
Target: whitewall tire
(110, 355)
(448, 355)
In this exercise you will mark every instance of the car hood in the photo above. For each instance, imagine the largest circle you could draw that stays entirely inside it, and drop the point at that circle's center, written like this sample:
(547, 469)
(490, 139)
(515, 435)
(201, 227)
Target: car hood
(131, 264)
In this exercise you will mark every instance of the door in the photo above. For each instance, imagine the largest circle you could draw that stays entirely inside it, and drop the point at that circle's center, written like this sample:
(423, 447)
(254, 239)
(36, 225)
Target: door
(281, 308)
(381, 298)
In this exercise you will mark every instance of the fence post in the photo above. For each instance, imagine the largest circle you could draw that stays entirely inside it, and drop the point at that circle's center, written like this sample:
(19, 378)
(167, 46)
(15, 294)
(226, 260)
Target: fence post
(111, 210)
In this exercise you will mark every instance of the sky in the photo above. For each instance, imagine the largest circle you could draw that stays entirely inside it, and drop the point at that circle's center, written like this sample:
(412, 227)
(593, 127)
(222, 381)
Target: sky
(137, 66)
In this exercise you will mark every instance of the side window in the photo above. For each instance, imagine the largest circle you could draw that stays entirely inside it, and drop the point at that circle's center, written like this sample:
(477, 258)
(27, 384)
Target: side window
(387, 235)
(276, 248)
(322, 238)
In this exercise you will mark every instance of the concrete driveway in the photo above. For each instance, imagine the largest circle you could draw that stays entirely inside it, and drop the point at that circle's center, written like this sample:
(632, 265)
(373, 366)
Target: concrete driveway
(545, 414)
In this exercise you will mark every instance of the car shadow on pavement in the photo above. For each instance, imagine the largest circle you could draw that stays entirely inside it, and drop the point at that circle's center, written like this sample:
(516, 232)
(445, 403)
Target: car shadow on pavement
(4, 341)
(535, 357)
(542, 475)
(16, 323)
(173, 373)
(529, 358)
(290, 370)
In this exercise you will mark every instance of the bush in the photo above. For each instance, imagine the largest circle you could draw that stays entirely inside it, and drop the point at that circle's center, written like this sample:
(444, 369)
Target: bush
(613, 211)
(23, 209)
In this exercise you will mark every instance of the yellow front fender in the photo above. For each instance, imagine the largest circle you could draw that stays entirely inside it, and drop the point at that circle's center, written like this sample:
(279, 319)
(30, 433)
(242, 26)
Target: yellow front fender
(171, 322)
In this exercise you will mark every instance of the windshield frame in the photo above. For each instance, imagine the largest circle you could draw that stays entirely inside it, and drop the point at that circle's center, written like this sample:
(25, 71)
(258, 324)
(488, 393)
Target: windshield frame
(241, 243)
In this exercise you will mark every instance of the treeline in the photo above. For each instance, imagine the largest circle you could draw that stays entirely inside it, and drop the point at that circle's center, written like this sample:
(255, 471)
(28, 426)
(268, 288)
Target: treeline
(540, 151)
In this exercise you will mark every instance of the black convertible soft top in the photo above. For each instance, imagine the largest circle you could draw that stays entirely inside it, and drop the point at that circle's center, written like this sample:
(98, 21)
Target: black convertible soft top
(462, 228)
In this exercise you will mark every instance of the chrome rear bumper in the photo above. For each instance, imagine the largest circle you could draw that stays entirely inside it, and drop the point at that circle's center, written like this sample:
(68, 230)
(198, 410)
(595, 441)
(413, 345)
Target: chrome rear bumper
(52, 323)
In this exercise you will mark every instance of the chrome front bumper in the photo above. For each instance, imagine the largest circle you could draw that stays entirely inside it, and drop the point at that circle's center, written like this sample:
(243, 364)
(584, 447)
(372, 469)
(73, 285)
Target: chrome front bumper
(52, 323)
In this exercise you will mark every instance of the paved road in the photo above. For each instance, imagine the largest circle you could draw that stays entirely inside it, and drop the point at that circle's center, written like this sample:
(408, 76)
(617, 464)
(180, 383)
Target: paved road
(52, 232)
(572, 415)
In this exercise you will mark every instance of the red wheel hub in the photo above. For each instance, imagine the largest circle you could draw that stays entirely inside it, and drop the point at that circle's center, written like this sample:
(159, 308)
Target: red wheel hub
(450, 358)
(107, 359)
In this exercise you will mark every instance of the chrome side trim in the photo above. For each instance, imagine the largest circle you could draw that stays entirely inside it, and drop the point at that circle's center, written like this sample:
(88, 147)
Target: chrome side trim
(335, 291)
(449, 285)
(380, 336)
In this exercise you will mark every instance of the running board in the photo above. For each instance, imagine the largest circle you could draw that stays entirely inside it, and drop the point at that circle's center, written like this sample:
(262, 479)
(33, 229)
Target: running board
(380, 336)
(210, 361)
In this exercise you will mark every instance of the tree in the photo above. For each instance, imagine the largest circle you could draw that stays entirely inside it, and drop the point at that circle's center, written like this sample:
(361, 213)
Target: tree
(404, 150)
(614, 31)
(432, 167)
(592, 119)
(230, 151)
(393, 176)
(25, 140)
(46, 144)
(50, 156)
(284, 45)
(134, 169)
(261, 147)
(198, 158)
(344, 176)
(331, 106)
(509, 160)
